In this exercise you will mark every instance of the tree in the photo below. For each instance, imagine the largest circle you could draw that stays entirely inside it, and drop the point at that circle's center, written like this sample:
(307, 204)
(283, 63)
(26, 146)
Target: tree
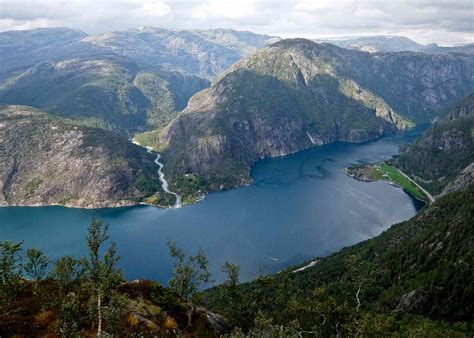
(231, 271)
(189, 272)
(103, 274)
(231, 293)
(35, 266)
(68, 315)
(68, 271)
(116, 310)
(10, 267)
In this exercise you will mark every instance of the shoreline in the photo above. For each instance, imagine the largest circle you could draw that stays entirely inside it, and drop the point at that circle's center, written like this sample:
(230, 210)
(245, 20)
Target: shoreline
(123, 204)
(373, 172)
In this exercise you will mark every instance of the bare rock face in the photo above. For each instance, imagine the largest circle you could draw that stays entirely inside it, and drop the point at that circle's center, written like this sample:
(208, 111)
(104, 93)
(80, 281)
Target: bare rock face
(462, 181)
(48, 160)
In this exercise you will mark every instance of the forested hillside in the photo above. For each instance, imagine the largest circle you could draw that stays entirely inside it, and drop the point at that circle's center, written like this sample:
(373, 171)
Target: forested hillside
(416, 277)
(446, 148)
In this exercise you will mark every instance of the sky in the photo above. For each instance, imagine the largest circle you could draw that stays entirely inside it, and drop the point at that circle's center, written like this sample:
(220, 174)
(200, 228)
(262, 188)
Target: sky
(444, 22)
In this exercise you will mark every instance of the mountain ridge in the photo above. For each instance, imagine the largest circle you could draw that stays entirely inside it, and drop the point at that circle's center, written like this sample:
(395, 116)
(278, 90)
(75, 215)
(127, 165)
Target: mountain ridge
(286, 97)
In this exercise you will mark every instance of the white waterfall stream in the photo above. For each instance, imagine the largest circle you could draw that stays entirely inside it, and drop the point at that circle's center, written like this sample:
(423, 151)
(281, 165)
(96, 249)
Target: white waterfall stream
(164, 183)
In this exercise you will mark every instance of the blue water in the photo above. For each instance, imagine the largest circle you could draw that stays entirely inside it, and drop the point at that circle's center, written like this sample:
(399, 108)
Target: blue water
(298, 207)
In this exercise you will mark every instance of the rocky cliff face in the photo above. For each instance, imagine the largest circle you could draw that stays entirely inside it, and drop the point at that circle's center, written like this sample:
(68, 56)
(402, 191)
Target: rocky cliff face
(436, 159)
(461, 182)
(285, 98)
(48, 160)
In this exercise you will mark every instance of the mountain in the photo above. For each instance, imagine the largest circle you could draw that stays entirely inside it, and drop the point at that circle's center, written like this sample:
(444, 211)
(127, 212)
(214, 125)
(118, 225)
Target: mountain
(287, 97)
(445, 149)
(418, 86)
(126, 81)
(204, 53)
(416, 277)
(49, 160)
(110, 90)
(433, 48)
(373, 44)
(295, 94)
(23, 49)
(388, 43)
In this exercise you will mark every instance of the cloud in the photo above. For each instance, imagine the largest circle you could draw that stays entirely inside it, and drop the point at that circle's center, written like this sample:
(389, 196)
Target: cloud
(446, 22)
(153, 9)
(218, 9)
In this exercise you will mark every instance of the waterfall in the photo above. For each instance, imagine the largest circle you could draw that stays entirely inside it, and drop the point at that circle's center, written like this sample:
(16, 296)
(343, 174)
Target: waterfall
(164, 183)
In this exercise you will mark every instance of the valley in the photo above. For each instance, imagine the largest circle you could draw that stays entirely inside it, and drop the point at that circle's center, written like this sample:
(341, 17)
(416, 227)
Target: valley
(297, 206)
(244, 184)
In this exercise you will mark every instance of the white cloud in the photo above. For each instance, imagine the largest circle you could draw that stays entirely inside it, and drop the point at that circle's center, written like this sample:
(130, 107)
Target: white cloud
(154, 9)
(425, 21)
(223, 9)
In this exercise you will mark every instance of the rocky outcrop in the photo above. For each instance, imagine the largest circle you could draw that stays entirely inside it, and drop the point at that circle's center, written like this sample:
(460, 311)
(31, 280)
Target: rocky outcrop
(145, 309)
(46, 160)
(462, 181)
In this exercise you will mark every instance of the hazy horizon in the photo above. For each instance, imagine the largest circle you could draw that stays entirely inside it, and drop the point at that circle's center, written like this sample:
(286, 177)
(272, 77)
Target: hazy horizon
(441, 22)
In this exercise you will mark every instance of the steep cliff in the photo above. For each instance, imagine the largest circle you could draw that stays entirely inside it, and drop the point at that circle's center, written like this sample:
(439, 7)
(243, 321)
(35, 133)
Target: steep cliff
(435, 159)
(49, 160)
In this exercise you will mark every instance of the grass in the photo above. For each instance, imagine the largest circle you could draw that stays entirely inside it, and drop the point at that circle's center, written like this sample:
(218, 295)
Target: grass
(384, 171)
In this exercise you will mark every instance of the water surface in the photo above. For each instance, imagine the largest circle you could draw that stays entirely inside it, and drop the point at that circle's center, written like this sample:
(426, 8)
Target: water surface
(298, 207)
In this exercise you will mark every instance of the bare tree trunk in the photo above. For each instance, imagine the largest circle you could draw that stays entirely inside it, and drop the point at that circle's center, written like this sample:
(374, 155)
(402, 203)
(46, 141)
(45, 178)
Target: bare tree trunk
(357, 297)
(357, 310)
(99, 315)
